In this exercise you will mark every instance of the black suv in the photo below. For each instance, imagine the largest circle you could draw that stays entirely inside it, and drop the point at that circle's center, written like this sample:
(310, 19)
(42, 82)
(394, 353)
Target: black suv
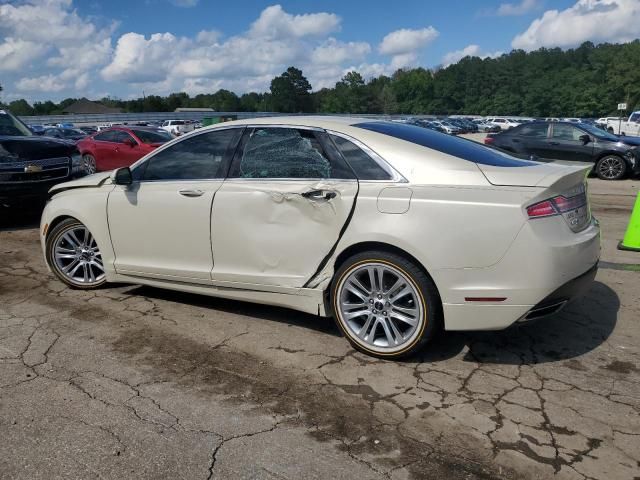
(613, 157)
(31, 164)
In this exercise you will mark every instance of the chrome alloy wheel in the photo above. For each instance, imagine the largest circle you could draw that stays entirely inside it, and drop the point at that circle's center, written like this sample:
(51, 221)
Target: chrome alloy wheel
(611, 167)
(381, 307)
(89, 164)
(77, 256)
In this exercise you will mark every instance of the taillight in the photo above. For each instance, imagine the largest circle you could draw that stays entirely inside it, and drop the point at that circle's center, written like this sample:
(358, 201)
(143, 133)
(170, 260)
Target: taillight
(488, 140)
(556, 206)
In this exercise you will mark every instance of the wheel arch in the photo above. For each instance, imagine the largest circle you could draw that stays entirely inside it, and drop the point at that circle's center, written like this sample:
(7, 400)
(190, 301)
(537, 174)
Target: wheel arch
(57, 221)
(613, 153)
(385, 247)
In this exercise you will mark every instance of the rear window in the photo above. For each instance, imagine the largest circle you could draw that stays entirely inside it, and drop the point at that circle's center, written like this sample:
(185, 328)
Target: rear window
(455, 146)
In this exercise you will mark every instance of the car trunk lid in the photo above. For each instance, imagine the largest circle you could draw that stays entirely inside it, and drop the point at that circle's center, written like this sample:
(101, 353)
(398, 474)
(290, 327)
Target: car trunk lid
(534, 174)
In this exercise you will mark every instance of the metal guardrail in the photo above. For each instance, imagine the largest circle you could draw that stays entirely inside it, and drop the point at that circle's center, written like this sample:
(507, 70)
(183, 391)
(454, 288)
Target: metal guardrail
(101, 119)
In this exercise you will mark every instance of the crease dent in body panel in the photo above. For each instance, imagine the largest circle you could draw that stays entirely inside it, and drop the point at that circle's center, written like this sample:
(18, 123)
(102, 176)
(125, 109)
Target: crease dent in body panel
(280, 197)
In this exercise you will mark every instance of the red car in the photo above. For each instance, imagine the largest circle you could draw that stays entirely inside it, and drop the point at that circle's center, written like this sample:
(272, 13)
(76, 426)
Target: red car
(119, 146)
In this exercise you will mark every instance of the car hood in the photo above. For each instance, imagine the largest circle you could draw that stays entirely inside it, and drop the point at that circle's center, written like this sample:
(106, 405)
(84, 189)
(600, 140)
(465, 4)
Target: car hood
(95, 180)
(33, 148)
(632, 141)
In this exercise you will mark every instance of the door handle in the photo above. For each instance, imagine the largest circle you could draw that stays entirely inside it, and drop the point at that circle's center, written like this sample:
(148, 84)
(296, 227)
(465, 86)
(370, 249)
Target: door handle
(319, 194)
(554, 143)
(515, 140)
(191, 193)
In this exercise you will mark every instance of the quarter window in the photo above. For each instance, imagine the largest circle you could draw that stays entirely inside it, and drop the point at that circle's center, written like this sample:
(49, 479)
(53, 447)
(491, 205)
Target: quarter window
(194, 158)
(366, 168)
(283, 153)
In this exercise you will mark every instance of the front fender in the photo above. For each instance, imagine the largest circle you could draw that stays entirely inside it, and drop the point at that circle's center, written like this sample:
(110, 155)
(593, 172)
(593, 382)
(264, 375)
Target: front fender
(88, 206)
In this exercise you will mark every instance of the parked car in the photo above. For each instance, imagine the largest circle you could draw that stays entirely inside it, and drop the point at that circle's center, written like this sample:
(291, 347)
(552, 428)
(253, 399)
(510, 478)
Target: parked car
(393, 229)
(628, 127)
(65, 125)
(36, 129)
(447, 127)
(88, 130)
(177, 127)
(70, 134)
(120, 146)
(612, 159)
(430, 125)
(31, 164)
(503, 123)
(487, 127)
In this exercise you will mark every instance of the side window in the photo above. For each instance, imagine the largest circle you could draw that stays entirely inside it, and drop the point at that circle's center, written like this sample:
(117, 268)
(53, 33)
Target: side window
(566, 132)
(106, 136)
(635, 117)
(119, 136)
(194, 158)
(366, 168)
(532, 130)
(282, 153)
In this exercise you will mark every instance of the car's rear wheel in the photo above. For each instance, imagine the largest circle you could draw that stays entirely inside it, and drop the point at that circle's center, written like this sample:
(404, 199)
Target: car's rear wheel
(74, 256)
(384, 304)
(611, 167)
(89, 163)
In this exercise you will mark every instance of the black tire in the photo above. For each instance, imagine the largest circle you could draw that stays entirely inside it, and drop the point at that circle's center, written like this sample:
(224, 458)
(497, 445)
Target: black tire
(611, 167)
(610, 129)
(429, 322)
(53, 237)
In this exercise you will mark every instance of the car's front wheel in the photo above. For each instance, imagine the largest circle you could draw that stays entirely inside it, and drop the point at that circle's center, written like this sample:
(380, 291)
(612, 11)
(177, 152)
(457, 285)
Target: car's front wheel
(74, 256)
(384, 304)
(89, 163)
(611, 167)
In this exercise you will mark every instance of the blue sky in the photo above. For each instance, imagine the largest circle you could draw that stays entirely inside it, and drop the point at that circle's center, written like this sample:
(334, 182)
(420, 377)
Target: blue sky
(52, 49)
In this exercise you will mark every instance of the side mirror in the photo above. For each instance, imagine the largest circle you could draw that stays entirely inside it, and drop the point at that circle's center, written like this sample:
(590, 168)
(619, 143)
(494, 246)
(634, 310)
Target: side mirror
(122, 176)
(130, 141)
(585, 139)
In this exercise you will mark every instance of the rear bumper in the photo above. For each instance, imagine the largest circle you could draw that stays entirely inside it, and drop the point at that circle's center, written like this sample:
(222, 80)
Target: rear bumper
(556, 301)
(545, 267)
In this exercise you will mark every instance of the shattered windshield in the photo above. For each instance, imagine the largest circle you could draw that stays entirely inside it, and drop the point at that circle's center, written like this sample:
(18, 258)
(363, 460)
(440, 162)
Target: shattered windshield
(283, 153)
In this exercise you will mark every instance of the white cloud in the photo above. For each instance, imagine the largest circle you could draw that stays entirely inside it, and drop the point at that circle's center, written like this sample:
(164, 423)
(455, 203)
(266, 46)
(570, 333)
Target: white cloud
(15, 54)
(44, 83)
(514, 9)
(138, 60)
(49, 50)
(73, 45)
(468, 51)
(406, 40)
(593, 20)
(334, 51)
(274, 22)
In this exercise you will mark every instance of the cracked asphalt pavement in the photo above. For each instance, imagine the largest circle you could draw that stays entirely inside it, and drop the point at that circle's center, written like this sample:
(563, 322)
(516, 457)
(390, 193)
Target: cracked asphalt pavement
(136, 382)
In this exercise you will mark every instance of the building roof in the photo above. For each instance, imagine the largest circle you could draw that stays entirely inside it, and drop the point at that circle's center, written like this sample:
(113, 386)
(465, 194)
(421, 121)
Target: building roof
(87, 106)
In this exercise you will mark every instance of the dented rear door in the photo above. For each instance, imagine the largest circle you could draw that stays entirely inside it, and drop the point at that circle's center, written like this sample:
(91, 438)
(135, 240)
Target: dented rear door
(280, 213)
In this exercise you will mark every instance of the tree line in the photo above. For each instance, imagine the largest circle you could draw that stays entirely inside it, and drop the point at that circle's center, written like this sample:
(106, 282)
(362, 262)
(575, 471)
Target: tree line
(588, 81)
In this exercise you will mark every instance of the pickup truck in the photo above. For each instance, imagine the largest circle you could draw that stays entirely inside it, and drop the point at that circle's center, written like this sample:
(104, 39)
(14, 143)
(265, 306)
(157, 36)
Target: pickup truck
(177, 127)
(630, 127)
(31, 164)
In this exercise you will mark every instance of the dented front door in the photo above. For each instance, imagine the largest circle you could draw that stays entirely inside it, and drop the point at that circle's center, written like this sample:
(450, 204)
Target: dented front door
(279, 215)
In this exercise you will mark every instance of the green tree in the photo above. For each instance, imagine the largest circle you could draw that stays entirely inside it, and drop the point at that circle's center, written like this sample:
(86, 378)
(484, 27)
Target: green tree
(21, 107)
(291, 92)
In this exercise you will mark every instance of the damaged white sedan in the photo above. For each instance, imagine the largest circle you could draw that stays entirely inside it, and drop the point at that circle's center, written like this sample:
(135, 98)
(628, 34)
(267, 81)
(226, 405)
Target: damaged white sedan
(392, 229)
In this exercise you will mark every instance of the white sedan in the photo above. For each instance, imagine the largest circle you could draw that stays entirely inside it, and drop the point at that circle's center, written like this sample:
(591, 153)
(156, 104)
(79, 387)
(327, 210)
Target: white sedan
(394, 230)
